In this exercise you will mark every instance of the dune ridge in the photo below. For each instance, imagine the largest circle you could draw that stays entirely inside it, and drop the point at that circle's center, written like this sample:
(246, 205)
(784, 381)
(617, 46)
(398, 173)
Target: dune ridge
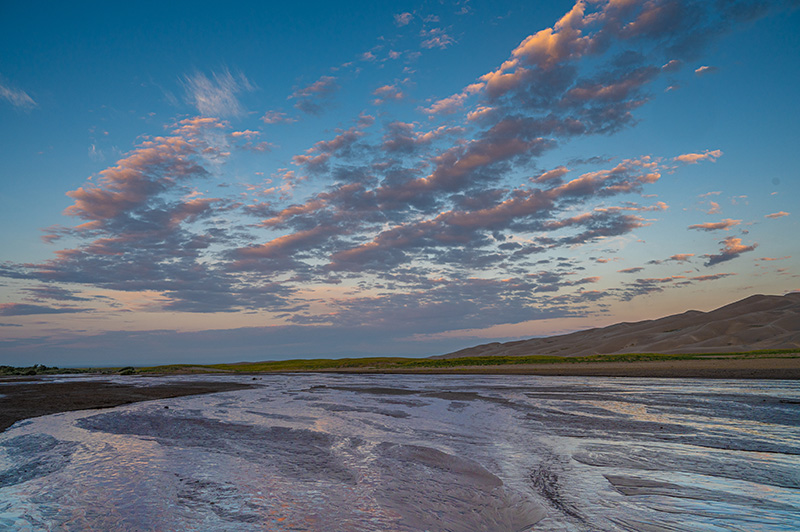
(754, 323)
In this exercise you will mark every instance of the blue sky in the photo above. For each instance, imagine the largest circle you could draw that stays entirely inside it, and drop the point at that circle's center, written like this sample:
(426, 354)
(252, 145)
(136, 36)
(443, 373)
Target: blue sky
(196, 182)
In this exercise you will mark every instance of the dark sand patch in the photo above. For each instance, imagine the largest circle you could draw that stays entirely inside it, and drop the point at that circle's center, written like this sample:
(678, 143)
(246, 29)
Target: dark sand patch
(22, 401)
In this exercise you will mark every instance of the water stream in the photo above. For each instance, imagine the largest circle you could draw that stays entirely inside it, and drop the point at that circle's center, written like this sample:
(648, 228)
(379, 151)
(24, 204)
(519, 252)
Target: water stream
(415, 453)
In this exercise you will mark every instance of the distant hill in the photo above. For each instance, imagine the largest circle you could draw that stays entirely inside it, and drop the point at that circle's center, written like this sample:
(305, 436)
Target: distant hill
(757, 322)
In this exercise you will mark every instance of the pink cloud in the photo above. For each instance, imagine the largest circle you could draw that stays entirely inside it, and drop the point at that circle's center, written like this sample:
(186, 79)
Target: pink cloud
(681, 257)
(551, 175)
(480, 113)
(247, 134)
(778, 214)
(705, 70)
(149, 170)
(386, 93)
(694, 158)
(284, 246)
(725, 224)
(448, 105)
(732, 248)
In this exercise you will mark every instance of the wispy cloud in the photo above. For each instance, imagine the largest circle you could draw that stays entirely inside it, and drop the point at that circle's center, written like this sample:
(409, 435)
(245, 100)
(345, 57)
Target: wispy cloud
(216, 96)
(16, 97)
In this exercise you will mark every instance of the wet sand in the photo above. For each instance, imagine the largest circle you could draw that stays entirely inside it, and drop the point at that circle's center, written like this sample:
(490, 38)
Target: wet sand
(33, 399)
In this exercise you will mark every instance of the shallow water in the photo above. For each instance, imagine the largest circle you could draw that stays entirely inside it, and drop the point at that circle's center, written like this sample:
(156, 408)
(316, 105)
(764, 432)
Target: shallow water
(412, 453)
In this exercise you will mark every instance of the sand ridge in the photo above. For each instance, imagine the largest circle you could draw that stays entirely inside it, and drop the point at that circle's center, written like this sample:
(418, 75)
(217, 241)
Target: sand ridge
(755, 323)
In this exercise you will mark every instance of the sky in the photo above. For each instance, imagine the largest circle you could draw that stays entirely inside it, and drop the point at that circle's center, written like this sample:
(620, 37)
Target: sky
(206, 182)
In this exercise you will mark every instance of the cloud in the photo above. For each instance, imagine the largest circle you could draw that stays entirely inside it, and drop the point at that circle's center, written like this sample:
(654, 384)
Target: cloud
(447, 106)
(694, 158)
(140, 229)
(527, 210)
(681, 257)
(778, 214)
(705, 70)
(23, 309)
(402, 137)
(386, 93)
(435, 38)
(53, 292)
(16, 97)
(216, 96)
(714, 277)
(732, 248)
(428, 223)
(151, 169)
(311, 99)
(551, 175)
(277, 117)
(725, 224)
(714, 208)
(316, 158)
(403, 19)
(631, 270)
(645, 286)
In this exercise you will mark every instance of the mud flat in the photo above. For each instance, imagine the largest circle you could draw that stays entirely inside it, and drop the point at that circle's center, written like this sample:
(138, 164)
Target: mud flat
(34, 398)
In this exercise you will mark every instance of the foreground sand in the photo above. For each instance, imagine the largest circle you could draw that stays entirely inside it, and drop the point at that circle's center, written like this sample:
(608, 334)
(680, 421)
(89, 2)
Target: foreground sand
(22, 401)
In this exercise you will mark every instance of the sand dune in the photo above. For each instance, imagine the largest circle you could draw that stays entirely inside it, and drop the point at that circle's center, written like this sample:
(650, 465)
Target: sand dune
(757, 322)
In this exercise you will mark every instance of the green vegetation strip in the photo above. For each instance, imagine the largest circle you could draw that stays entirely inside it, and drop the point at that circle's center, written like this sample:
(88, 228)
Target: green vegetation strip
(384, 363)
(397, 363)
